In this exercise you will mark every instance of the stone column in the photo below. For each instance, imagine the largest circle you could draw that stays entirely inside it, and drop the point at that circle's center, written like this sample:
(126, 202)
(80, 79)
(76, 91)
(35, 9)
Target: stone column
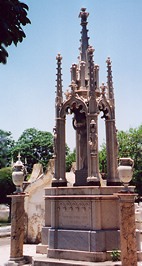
(127, 229)
(60, 170)
(17, 227)
(111, 146)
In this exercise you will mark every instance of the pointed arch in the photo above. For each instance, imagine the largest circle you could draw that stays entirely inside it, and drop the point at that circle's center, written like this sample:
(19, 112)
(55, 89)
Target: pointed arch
(73, 100)
(104, 106)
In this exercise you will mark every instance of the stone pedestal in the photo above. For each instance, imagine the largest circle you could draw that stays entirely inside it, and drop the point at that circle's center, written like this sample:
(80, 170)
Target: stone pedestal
(81, 224)
(128, 230)
(17, 228)
(84, 223)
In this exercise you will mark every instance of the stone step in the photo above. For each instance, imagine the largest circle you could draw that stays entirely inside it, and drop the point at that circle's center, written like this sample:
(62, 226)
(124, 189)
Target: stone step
(44, 261)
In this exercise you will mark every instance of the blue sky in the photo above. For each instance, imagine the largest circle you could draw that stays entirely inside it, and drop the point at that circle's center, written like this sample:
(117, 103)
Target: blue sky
(28, 79)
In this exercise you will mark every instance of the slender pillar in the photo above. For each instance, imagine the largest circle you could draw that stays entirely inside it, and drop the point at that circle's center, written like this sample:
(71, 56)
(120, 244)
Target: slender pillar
(60, 170)
(17, 227)
(111, 146)
(128, 230)
(59, 133)
(62, 151)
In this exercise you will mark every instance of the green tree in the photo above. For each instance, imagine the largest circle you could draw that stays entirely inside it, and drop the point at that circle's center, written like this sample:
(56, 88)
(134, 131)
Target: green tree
(35, 146)
(6, 185)
(13, 15)
(130, 145)
(70, 158)
(103, 161)
(6, 143)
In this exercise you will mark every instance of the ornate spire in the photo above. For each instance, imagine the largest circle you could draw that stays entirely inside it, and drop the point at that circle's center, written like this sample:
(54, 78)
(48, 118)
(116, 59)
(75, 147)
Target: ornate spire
(92, 83)
(109, 80)
(110, 91)
(59, 97)
(91, 71)
(84, 34)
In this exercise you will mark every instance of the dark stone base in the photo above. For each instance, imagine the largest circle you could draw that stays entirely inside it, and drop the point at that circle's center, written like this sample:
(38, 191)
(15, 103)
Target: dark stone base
(59, 184)
(93, 183)
(81, 177)
(114, 184)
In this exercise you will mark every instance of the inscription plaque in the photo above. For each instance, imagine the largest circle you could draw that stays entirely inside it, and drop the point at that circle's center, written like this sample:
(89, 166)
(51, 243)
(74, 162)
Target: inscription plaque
(74, 214)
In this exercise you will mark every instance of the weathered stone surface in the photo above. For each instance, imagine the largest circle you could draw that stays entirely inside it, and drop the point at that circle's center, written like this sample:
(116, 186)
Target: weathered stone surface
(34, 204)
(17, 227)
(128, 230)
(82, 219)
(36, 172)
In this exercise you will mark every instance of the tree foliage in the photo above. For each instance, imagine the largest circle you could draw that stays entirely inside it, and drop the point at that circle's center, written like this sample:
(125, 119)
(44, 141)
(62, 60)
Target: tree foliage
(35, 146)
(13, 15)
(6, 185)
(130, 145)
(70, 158)
(6, 143)
(103, 161)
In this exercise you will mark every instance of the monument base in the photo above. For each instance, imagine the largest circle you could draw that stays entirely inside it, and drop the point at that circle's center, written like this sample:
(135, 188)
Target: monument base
(82, 225)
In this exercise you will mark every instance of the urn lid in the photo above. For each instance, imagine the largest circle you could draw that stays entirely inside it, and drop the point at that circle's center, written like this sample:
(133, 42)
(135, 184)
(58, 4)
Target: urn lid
(18, 163)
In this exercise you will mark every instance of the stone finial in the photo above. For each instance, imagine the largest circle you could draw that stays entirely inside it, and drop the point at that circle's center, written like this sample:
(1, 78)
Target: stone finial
(83, 15)
(108, 61)
(59, 57)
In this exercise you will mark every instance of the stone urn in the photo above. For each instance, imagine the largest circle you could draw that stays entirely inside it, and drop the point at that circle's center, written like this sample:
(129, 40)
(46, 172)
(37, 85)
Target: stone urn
(125, 171)
(18, 175)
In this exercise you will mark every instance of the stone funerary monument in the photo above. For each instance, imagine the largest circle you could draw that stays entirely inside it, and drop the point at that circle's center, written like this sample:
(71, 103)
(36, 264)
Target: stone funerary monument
(82, 222)
(85, 100)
